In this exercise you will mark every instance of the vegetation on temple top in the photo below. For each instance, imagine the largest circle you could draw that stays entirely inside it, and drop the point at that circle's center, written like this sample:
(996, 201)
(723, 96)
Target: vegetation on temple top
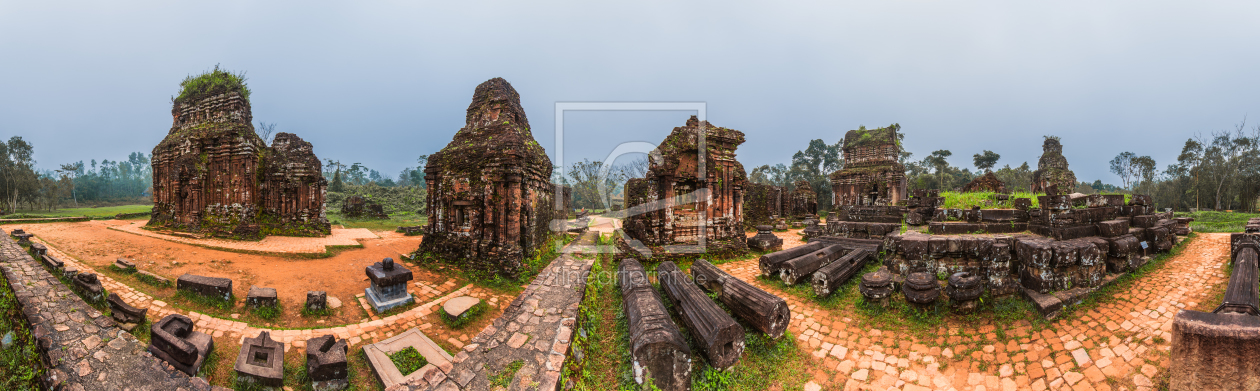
(215, 82)
(863, 136)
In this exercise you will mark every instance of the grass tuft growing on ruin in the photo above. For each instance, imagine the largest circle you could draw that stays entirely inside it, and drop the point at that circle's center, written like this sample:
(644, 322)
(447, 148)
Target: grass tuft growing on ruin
(267, 312)
(408, 360)
(984, 199)
(504, 377)
(207, 301)
(211, 83)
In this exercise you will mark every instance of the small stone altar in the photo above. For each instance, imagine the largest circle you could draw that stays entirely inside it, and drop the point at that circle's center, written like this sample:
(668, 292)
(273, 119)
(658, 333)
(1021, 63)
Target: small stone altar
(261, 297)
(316, 300)
(261, 361)
(219, 288)
(326, 363)
(765, 240)
(389, 285)
(89, 286)
(174, 341)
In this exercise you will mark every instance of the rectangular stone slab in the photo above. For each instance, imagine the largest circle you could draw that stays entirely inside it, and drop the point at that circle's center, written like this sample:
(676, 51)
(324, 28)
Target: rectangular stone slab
(216, 287)
(378, 356)
(261, 297)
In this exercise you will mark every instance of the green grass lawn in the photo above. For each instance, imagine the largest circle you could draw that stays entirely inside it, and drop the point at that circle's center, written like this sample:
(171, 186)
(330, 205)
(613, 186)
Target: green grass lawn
(104, 211)
(983, 199)
(1209, 221)
(403, 219)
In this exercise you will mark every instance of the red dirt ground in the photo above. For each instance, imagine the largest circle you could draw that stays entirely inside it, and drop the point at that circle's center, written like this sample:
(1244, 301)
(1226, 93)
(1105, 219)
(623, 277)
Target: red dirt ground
(341, 275)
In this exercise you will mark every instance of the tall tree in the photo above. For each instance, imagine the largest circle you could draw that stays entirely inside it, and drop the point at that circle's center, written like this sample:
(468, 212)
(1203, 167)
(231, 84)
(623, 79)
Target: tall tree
(986, 160)
(938, 159)
(1122, 166)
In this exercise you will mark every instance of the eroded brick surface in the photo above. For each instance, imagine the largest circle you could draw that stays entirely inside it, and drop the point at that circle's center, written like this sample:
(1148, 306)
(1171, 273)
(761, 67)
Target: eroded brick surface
(490, 195)
(214, 175)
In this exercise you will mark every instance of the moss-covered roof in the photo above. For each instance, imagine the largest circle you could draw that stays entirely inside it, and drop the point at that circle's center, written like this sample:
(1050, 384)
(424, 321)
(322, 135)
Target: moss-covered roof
(866, 137)
(208, 84)
(684, 140)
(496, 132)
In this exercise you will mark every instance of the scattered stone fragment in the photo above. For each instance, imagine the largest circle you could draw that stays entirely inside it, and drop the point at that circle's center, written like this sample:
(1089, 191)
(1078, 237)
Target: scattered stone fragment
(261, 297)
(261, 361)
(174, 341)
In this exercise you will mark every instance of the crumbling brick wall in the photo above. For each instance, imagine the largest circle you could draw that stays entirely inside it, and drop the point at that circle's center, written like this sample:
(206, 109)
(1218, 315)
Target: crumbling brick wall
(804, 201)
(872, 174)
(491, 200)
(213, 175)
(675, 174)
(762, 204)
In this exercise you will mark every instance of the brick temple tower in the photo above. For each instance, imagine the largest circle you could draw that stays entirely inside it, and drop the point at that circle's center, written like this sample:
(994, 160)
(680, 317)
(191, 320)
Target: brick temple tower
(490, 193)
(213, 175)
(673, 173)
(872, 174)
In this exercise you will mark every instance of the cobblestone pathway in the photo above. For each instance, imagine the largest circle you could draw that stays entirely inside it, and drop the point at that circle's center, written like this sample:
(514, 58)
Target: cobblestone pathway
(1120, 345)
(534, 332)
(87, 351)
(270, 244)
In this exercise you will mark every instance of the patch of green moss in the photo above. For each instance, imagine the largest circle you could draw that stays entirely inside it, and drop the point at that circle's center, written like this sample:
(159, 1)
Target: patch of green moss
(208, 84)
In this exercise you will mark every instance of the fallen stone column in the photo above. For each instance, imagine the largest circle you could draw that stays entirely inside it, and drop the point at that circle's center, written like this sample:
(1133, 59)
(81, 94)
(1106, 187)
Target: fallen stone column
(769, 263)
(721, 338)
(659, 351)
(1241, 295)
(765, 311)
(802, 267)
(1214, 352)
(829, 278)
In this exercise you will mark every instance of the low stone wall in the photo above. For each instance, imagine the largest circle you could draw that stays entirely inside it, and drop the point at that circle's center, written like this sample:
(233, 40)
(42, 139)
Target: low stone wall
(81, 347)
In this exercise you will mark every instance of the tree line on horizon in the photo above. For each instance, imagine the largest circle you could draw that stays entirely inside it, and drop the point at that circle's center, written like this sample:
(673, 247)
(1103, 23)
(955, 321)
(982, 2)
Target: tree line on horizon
(1218, 171)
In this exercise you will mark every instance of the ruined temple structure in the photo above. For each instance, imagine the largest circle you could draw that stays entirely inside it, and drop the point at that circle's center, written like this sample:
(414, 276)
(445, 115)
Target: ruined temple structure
(987, 182)
(213, 175)
(691, 213)
(762, 204)
(871, 174)
(804, 202)
(490, 196)
(1052, 169)
(357, 206)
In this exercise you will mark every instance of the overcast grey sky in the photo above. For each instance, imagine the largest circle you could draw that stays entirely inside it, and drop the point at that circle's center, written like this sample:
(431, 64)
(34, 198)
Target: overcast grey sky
(382, 82)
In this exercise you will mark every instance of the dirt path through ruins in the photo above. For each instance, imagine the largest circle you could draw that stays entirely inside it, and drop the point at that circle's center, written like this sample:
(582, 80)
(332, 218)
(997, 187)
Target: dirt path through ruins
(1121, 344)
(341, 275)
